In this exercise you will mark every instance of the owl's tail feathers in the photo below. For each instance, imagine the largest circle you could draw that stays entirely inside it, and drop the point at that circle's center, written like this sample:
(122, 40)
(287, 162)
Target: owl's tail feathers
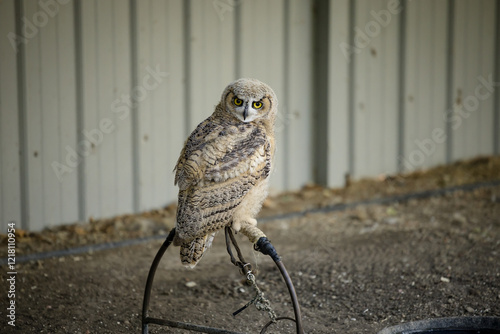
(191, 252)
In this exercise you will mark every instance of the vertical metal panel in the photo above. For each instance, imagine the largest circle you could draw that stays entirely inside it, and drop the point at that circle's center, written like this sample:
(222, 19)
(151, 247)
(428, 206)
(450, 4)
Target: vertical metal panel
(296, 110)
(211, 58)
(36, 215)
(340, 53)
(66, 101)
(262, 48)
(496, 125)
(473, 66)
(122, 141)
(425, 79)
(50, 120)
(89, 165)
(106, 92)
(375, 89)
(160, 116)
(321, 117)
(10, 175)
(106, 19)
(51, 112)
(78, 28)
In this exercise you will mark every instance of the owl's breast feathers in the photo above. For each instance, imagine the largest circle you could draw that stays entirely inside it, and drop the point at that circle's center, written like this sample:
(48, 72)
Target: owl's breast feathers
(221, 161)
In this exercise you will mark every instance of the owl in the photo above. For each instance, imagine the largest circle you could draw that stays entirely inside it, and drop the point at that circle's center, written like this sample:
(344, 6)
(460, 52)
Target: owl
(223, 170)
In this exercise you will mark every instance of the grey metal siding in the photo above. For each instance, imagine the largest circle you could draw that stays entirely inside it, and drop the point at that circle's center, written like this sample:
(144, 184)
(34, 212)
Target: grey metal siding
(375, 90)
(49, 120)
(97, 97)
(473, 67)
(424, 99)
(161, 118)
(10, 164)
(106, 86)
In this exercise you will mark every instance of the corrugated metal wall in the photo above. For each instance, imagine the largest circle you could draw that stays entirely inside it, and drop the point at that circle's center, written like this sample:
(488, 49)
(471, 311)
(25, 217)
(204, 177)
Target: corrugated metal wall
(97, 97)
(416, 89)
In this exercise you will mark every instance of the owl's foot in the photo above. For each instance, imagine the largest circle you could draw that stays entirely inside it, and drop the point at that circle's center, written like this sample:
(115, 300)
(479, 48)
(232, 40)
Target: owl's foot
(251, 231)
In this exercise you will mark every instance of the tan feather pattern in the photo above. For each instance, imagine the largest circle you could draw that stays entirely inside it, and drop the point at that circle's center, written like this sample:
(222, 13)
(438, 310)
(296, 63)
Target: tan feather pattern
(221, 162)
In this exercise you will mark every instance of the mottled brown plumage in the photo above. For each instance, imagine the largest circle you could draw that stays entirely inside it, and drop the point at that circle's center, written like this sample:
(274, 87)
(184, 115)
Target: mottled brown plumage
(223, 169)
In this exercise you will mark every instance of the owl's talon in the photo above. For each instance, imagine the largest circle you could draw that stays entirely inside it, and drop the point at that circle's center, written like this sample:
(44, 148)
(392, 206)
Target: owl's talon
(236, 226)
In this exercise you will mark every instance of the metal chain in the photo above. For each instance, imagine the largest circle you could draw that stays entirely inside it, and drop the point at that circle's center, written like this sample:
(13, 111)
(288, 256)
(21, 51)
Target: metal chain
(261, 302)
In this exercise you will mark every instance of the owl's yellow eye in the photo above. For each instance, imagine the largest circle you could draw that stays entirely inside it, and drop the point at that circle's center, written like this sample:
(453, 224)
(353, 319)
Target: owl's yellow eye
(257, 105)
(237, 102)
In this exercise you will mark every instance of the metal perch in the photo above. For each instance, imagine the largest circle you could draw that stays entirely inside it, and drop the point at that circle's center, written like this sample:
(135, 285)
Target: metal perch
(264, 246)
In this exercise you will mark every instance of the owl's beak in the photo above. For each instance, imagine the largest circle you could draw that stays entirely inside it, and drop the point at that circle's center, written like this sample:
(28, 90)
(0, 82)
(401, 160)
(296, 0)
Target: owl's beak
(245, 112)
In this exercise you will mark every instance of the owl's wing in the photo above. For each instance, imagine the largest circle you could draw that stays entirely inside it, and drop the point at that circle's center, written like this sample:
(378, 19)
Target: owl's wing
(215, 174)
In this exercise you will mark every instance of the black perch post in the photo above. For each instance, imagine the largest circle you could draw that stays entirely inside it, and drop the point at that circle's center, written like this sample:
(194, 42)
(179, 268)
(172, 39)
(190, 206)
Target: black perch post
(263, 245)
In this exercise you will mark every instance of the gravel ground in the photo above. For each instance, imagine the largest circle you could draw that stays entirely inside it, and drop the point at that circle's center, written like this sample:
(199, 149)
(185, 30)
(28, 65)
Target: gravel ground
(356, 270)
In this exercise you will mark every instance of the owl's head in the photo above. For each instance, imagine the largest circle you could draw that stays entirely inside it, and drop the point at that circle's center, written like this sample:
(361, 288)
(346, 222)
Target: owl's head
(250, 100)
